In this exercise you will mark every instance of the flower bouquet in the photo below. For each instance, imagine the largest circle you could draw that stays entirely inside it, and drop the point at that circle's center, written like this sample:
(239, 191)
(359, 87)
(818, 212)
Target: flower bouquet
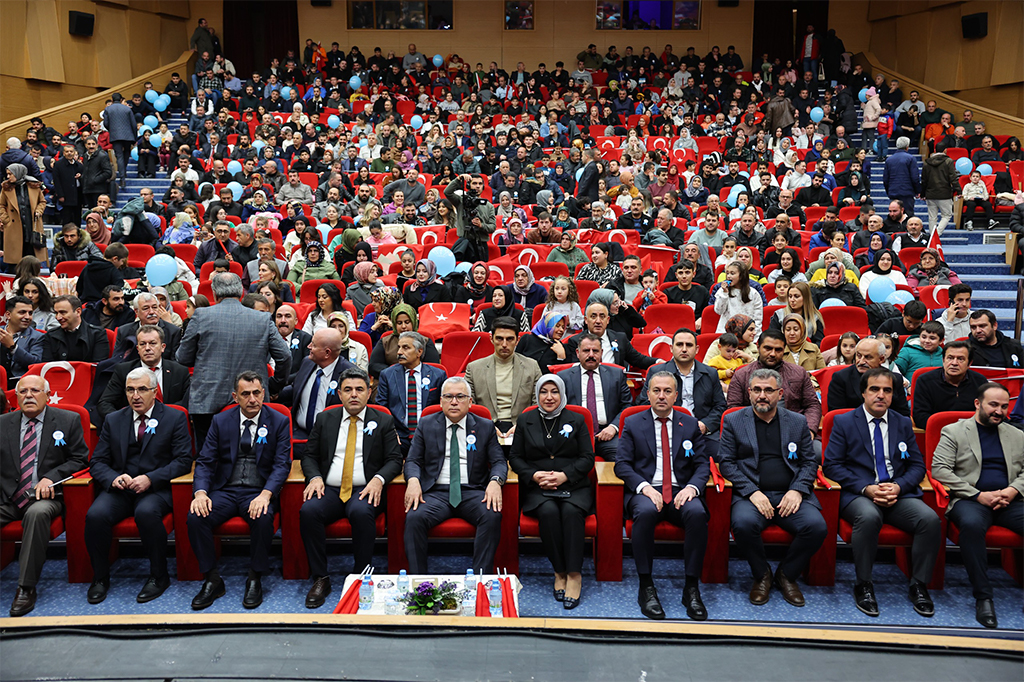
(428, 599)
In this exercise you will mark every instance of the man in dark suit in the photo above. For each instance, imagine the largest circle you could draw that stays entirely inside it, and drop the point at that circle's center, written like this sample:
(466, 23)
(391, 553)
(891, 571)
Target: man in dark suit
(316, 385)
(172, 379)
(239, 472)
(21, 344)
(67, 184)
(345, 478)
(141, 449)
(766, 452)
(700, 390)
(409, 386)
(652, 443)
(602, 390)
(586, 188)
(454, 458)
(844, 387)
(147, 310)
(872, 453)
(616, 348)
(75, 340)
(297, 340)
(40, 447)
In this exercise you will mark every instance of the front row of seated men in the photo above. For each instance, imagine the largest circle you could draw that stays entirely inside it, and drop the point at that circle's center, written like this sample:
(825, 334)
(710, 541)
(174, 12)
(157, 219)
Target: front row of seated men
(456, 468)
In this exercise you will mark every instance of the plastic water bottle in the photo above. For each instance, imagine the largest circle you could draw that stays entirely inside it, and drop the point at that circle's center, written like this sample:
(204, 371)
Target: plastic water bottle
(365, 594)
(494, 597)
(471, 582)
(402, 583)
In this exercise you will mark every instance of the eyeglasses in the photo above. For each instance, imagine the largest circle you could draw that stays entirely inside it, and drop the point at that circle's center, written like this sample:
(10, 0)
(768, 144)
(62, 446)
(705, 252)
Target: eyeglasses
(141, 390)
(763, 391)
(457, 397)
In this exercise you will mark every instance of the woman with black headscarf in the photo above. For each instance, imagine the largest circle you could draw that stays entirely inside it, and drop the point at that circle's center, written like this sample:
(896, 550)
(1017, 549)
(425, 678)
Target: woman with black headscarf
(503, 304)
(426, 287)
(21, 216)
(887, 265)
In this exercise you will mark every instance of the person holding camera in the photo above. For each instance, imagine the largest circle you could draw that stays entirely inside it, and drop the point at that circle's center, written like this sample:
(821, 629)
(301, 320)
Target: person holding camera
(474, 220)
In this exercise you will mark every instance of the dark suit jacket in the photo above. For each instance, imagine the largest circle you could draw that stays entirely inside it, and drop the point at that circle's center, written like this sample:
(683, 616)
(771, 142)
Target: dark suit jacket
(850, 455)
(55, 462)
(572, 454)
(739, 452)
(124, 342)
(299, 347)
(176, 380)
(291, 395)
(708, 399)
(844, 392)
(91, 345)
(381, 453)
(392, 387)
(217, 457)
(622, 349)
(587, 185)
(637, 458)
(614, 389)
(426, 456)
(28, 351)
(171, 442)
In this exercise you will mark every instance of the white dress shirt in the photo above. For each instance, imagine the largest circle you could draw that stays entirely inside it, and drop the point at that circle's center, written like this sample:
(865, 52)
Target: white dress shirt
(255, 426)
(444, 478)
(885, 439)
(607, 352)
(659, 472)
(418, 373)
(141, 419)
(602, 415)
(337, 469)
(686, 389)
(158, 372)
(321, 398)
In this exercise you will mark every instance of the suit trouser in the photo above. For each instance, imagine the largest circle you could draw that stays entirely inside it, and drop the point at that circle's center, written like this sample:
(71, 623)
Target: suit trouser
(908, 204)
(201, 426)
(316, 513)
(35, 518)
(806, 525)
(70, 214)
(122, 150)
(940, 212)
(909, 514)
(606, 449)
(692, 517)
(562, 527)
(113, 506)
(974, 519)
(226, 504)
(435, 508)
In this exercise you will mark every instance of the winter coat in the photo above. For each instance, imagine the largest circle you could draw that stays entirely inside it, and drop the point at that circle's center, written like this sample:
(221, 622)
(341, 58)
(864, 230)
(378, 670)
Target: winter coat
(11, 220)
(83, 250)
(912, 357)
(97, 173)
(900, 177)
(872, 110)
(939, 177)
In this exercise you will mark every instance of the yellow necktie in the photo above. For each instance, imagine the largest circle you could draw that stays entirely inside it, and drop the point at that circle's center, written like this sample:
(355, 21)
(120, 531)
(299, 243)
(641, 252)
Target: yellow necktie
(350, 457)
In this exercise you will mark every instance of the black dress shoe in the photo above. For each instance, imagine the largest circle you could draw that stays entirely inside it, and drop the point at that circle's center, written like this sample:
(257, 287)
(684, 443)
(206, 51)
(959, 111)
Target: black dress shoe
(921, 601)
(864, 597)
(569, 603)
(559, 594)
(153, 588)
(253, 593)
(650, 605)
(98, 591)
(694, 606)
(318, 593)
(208, 593)
(25, 601)
(985, 612)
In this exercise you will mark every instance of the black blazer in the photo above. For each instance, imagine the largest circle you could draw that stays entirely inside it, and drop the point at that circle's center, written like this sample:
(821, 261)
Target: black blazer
(56, 462)
(622, 349)
(176, 380)
(637, 458)
(484, 461)
(381, 453)
(844, 392)
(299, 347)
(587, 185)
(217, 458)
(571, 452)
(64, 185)
(436, 293)
(290, 395)
(708, 399)
(617, 396)
(124, 342)
(92, 345)
(170, 443)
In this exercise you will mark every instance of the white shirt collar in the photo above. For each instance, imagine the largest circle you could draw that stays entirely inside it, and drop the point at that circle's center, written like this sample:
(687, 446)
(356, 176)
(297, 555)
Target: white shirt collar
(242, 418)
(870, 417)
(449, 423)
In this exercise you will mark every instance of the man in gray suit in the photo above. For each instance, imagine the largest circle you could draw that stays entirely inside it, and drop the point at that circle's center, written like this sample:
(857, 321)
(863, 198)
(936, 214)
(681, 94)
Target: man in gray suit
(766, 452)
(223, 341)
(503, 382)
(120, 122)
(981, 463)
(601, 389)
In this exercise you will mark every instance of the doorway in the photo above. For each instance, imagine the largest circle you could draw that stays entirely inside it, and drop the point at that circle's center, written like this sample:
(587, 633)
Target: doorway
(773, 27)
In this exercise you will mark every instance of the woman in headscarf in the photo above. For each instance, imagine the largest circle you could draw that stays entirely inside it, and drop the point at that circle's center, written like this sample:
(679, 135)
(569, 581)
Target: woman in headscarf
(378, 321)
(876, 245)
(97, 228)
(364, 254)
(930, 270)
(601, 268)
(315, 266)
(800, 302)
(553, 454)
(799, 349)
(359, 292)
(742, 327)
(21, 216)
(514, 233)
(622, 317)
(506, 209)
(835, 285)
(695, 192)
(182, 230)
(503, 304)
(426, 287)
(887, 265)
(543, 343)
(525, 290)
(385, 353)
(567, 252)
(167, 313)
(475, 290)
(833, 255)
(353, 351)
(347, 240)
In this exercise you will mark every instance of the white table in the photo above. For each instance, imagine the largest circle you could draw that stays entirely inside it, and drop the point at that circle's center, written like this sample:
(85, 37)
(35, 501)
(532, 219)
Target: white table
(385, 587)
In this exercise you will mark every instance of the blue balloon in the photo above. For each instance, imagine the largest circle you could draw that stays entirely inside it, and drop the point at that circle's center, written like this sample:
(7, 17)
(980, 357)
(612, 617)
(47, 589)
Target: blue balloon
(143, 129)
(160, 105)
(135, 153)
(416, 122)
(333, 121)
(258, 145)
(438, 60)
(817, 114)
(151, 121)
(355, 82)
(443, 259)
(161, 270)
(234, 167)
(236, 190)
(964, 166)
(985, 169)
(863, 95)
(363, 142)
(464, 267)
(832, 303)
(900, 297)
(152, 96)
(156, 140)
(880, 289)
(745, 174)
(286, 92)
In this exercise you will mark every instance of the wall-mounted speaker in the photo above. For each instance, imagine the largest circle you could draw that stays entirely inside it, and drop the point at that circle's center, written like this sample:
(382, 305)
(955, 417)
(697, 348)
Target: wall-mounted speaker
(80, 23)
(728, 3)
(320, 3)
(974, 25)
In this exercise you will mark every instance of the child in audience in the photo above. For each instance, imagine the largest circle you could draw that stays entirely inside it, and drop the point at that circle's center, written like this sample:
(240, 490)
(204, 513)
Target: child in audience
(781, 291)
(727, 361)
(650, 294)
(843, 353)
(728, 252)
(563, 298)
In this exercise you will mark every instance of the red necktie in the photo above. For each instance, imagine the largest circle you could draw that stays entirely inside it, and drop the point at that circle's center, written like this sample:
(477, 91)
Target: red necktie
(159, 393)
(592, 397)
(666, 462)
(142, 428)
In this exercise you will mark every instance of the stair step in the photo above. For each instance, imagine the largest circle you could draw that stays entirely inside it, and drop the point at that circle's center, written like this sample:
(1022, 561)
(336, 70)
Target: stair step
(967, 268)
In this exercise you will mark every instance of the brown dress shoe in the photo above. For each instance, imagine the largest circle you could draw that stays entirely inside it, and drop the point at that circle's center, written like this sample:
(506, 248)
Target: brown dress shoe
(318, 592)
(24, 601)
(789, 589)
(760, 591)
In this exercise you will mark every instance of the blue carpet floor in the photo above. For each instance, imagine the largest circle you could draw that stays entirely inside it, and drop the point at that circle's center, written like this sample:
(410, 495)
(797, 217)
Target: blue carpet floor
(954, 605)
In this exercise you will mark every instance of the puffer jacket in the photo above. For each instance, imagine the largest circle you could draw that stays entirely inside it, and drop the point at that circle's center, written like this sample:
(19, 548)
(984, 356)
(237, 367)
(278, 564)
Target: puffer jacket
(939, 177)
(83, 250)
(913, 357)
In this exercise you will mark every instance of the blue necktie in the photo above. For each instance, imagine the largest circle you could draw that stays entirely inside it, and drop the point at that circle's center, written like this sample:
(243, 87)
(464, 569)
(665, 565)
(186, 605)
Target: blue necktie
(883, 472)
(314, 396)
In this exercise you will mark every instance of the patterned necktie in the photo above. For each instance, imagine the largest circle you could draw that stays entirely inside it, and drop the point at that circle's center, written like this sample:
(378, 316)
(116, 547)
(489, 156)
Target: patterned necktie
(883, 472)
(28, 460)
(314, 398)
(592, 397)
(159, 392)
(350, 457)
(454, 471)
(666, 462)
(413, 399)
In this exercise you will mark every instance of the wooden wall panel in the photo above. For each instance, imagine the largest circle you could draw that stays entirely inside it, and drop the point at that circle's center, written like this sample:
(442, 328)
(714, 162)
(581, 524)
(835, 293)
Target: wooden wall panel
(1008, 67)
(143, 38)
(911, 58)
(174, 33)
(174, 8)
(850, 20)
(111, 45)
(23, 97)
(78, 52)
(13, 48)
(1006, 98)
(883, 40)
(942, 70)
(44, 55)
(882, 9)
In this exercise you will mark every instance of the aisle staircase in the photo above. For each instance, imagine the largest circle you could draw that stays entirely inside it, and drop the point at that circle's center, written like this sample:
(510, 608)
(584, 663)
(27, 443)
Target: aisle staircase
(159, 184)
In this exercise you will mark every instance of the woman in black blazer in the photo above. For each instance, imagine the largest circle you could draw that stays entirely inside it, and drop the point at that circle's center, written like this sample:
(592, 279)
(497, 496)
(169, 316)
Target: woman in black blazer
(553, 453)
(426, 288)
